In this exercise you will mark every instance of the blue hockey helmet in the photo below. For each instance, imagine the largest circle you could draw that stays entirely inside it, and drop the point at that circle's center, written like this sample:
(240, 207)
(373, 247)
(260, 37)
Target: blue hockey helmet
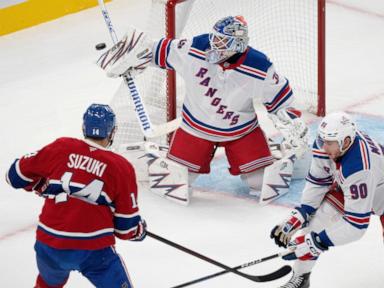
(229, 36)
(99, 121)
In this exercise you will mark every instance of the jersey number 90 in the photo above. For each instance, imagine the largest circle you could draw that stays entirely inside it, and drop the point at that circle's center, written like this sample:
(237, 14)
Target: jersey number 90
(359, 191)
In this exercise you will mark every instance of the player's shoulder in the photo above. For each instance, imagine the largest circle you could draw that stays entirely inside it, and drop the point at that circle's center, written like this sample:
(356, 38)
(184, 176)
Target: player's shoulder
(356, 159)
(120, 162)
(61, 143)
(200, 42)
(257, 59)
(66, 141)
(318, 153)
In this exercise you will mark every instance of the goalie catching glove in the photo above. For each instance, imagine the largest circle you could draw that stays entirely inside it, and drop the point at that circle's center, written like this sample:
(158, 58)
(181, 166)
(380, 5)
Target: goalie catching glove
(131, 55)
(293, 128)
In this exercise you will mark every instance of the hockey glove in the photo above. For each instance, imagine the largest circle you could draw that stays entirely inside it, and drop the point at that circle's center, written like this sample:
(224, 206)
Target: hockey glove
(41, 186)
(141, 231)
(283, 232)
(131, 55)
(306, 247)
(293, 128)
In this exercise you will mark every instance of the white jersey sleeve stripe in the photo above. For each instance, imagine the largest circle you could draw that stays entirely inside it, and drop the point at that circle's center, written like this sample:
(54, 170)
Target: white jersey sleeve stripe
(74, 234)
(284, 94)
(162, 52)
(364, 155)
(197, 53)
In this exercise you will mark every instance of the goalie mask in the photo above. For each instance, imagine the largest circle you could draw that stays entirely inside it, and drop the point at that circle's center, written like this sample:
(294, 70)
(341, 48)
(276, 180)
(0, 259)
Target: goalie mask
(336, 127)
(229, 36)
(99, 122)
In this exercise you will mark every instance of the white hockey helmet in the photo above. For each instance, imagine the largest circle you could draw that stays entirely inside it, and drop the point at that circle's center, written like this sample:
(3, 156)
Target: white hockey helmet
(336, 127)
(229, 36)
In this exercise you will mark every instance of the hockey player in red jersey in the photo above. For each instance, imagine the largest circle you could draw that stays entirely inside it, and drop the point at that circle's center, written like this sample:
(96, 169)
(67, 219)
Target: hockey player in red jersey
(223, 77)
(90, 198)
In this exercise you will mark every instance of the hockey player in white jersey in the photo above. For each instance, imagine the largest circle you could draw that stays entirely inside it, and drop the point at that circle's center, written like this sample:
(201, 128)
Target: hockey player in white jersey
(223, 76)
(344, 187)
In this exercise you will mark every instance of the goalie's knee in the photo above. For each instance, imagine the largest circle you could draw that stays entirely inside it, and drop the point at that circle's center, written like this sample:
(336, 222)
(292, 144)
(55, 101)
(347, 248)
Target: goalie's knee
(254, 180)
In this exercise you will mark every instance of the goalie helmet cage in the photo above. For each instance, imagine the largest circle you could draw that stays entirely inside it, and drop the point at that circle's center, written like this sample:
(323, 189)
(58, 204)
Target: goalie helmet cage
(290, 32)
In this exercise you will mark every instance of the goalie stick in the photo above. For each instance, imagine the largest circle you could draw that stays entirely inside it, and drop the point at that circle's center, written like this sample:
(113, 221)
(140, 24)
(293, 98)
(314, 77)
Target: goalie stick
(149, 130)
(245, 265)
(255, 278)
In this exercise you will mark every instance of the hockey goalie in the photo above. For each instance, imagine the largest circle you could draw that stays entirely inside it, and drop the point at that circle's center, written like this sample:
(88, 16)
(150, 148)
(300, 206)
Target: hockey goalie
(223, 76)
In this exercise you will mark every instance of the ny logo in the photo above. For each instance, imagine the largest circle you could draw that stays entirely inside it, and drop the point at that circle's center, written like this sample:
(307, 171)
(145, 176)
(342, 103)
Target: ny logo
(344, 120)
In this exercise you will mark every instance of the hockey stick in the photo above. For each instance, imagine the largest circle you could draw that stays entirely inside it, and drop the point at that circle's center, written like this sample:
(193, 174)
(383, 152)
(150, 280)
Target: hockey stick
(256, 278)
(149, 130)
(254, 262)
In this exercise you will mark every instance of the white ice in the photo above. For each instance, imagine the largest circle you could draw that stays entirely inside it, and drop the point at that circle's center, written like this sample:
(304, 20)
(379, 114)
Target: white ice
(48, 78)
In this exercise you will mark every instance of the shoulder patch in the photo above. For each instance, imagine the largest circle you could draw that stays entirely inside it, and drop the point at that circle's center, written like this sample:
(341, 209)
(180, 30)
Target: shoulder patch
(257, 60)
(199, 45)
(201, 42)
(356, 159)
(318, 153)
(255, 64)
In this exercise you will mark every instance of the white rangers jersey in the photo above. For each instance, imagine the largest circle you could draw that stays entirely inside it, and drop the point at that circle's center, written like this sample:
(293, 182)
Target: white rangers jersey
(360, 175)
(219, 97)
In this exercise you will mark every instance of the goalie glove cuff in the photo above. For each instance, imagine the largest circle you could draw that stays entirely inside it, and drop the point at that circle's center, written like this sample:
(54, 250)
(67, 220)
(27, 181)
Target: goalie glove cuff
(293, 129)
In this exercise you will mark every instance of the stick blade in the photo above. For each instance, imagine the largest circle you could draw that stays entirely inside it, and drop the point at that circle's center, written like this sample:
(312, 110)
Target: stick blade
(274, 275)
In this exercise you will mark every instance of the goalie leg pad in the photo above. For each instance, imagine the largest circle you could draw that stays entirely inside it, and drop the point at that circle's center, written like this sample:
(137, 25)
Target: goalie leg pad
(277, 179)
(140, 155)
(169, 179)
(254, 180)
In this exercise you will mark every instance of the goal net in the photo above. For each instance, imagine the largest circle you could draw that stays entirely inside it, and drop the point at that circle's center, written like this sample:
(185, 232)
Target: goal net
(290, 32)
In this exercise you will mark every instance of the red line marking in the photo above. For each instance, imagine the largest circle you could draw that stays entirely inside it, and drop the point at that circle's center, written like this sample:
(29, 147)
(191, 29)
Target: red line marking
(356, 9)
(365, 101)
(17, 232)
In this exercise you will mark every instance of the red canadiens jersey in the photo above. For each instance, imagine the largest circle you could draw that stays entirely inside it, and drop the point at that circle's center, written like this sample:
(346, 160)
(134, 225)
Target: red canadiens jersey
(91, 193)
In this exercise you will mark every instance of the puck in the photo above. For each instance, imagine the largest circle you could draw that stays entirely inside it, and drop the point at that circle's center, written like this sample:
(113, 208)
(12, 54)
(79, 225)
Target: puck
(100, 46)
